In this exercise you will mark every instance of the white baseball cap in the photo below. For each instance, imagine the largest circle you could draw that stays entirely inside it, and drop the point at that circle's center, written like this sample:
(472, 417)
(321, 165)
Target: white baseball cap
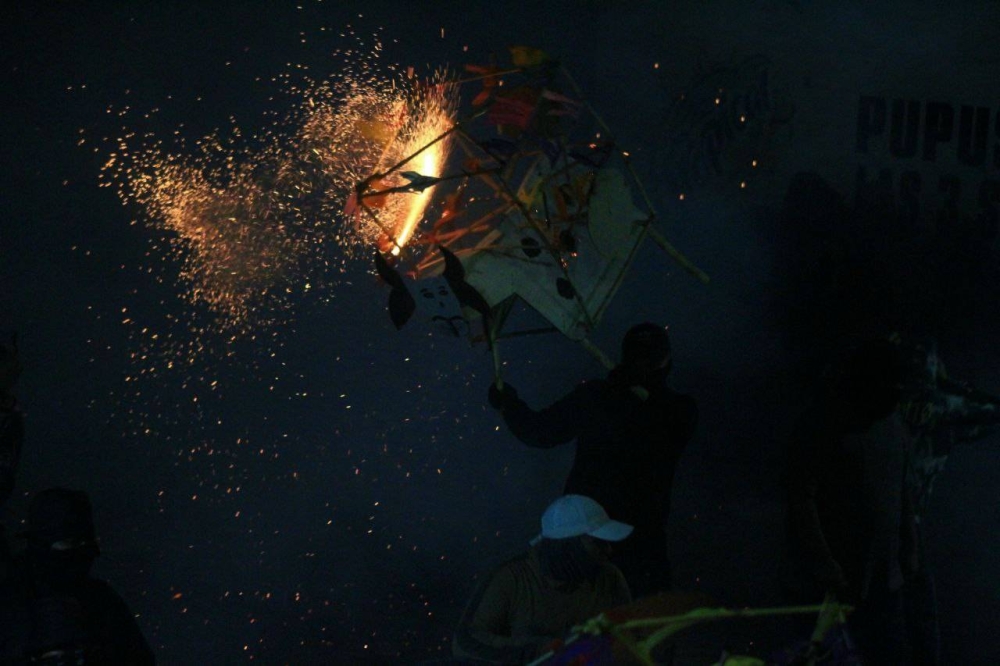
(575, 515)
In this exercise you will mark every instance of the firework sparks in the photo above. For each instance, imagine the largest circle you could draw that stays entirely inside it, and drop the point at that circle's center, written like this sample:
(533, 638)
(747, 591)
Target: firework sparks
(248, 228)
(233, 241)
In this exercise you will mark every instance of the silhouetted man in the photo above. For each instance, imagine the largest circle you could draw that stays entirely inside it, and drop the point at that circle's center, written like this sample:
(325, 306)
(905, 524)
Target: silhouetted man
(630, 430)
(51, 608)
(849, 507)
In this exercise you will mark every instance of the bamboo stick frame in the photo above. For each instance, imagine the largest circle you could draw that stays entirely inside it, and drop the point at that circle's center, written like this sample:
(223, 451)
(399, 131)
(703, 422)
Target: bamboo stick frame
(497, 179)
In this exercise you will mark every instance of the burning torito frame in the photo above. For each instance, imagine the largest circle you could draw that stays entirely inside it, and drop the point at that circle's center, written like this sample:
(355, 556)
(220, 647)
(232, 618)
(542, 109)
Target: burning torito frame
(515, 189)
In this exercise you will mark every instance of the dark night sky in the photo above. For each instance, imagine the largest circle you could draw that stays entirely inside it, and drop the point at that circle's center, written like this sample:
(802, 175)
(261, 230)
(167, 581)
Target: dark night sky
(336, 493)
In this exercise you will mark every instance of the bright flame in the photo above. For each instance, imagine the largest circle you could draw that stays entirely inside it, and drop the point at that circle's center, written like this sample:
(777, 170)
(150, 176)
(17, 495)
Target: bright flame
(244, 222)
(431, 163)
(433, 115)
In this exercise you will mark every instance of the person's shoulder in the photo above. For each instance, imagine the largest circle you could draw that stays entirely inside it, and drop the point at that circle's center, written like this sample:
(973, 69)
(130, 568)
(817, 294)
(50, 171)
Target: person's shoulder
(92, 583)
(504, 579)
(99, 592)
(610, 578)
(587, 391)
(680, 401)
(682, 407)
(513, 568)
(521, 559)
(609, 571)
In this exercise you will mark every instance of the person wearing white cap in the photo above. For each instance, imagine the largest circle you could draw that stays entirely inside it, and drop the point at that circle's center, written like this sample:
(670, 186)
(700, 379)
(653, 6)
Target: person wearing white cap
(534, 599)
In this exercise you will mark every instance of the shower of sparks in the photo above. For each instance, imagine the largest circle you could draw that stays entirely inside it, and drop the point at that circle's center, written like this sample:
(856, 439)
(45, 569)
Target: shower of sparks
(232, 231)
(245, 229)
(251, 229)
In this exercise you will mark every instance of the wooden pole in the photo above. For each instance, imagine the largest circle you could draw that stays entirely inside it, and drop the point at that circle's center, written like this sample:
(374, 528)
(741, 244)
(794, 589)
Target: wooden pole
(675, 254)
(497, 366)
(480, 77)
